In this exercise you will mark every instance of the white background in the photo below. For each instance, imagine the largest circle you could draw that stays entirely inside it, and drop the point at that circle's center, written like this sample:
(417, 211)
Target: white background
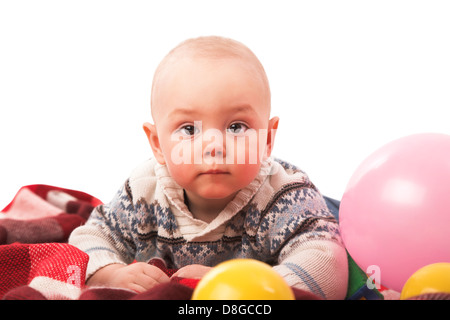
(346, 78)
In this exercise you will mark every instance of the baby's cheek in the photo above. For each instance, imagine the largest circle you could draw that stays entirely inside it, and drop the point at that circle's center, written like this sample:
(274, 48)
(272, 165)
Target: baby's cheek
(181, 173)
(183, 152)
(245, 150)
(246, 173)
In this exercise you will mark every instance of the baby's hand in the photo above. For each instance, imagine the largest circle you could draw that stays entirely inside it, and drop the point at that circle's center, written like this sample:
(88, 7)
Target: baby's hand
(138, 276)
(192, 271)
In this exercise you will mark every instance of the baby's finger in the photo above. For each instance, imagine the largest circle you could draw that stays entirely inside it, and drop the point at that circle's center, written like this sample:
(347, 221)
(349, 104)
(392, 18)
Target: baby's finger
(156, 273)
(194, 271)
(136, 287)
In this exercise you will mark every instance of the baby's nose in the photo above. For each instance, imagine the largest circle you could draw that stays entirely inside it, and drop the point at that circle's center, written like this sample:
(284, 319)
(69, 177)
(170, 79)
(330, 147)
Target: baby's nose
(214, 150)
(213, 145)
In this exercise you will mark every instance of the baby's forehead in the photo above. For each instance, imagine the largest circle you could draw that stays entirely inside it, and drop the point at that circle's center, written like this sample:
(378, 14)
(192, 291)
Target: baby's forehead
(209, 50)
(219, 53)
(241, 65)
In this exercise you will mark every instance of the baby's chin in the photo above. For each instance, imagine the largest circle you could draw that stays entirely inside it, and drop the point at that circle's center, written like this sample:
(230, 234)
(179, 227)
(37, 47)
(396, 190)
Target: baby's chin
(217, 192)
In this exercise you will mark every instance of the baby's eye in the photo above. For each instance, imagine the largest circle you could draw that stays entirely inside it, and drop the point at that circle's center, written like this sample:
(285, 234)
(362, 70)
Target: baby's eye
(237, 128)
(188, 130)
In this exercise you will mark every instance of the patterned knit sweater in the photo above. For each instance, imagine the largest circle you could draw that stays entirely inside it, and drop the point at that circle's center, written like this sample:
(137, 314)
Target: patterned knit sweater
(280, 218)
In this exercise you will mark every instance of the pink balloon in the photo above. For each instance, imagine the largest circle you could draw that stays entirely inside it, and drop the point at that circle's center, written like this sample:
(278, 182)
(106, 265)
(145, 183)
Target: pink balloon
(395, 212)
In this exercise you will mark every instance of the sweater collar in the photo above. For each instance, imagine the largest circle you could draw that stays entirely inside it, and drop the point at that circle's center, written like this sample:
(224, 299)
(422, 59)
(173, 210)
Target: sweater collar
(175, 194)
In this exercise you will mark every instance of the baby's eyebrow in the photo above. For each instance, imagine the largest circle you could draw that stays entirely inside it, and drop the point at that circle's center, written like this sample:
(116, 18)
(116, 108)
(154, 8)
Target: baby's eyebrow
(243, 108)
(182, 111)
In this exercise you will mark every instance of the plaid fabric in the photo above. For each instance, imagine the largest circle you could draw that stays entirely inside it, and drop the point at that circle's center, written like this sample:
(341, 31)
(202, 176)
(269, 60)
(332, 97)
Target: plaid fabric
(56, 270)
(34, 229)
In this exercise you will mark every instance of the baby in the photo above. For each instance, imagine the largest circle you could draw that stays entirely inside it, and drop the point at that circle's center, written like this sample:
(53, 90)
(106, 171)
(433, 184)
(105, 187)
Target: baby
(213, 192)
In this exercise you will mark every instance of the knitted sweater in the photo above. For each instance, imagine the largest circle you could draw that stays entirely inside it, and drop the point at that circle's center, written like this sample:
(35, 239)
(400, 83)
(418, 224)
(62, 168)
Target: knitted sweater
(279, 218)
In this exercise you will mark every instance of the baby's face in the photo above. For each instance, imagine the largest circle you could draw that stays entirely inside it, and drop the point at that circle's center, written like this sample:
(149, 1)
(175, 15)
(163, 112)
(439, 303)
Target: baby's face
(212, 124)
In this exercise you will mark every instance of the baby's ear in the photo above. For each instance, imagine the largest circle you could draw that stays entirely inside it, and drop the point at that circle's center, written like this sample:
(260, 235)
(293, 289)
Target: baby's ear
(152, 136)
(272, 130)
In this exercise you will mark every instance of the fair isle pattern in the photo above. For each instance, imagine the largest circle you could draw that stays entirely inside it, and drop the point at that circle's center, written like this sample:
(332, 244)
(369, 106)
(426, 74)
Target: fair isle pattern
(293, 216)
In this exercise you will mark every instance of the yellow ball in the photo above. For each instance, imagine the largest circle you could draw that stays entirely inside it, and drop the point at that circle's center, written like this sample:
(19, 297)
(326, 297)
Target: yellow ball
(242, 279)
(429, 279)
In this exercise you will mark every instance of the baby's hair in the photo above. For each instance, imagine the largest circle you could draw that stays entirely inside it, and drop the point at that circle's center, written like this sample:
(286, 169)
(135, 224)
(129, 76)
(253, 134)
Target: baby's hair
(212, 47)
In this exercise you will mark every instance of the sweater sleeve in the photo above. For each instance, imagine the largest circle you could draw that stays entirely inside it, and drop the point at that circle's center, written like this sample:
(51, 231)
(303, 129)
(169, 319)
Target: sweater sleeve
(106, 236)
(318, 266)
(311, 255)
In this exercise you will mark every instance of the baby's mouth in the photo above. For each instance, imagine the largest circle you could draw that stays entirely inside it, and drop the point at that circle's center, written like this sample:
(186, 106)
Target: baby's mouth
(215, 171)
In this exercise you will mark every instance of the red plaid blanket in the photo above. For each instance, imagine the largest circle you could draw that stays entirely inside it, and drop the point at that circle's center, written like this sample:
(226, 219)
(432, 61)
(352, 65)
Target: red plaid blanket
(36, 262)
(34, 229)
